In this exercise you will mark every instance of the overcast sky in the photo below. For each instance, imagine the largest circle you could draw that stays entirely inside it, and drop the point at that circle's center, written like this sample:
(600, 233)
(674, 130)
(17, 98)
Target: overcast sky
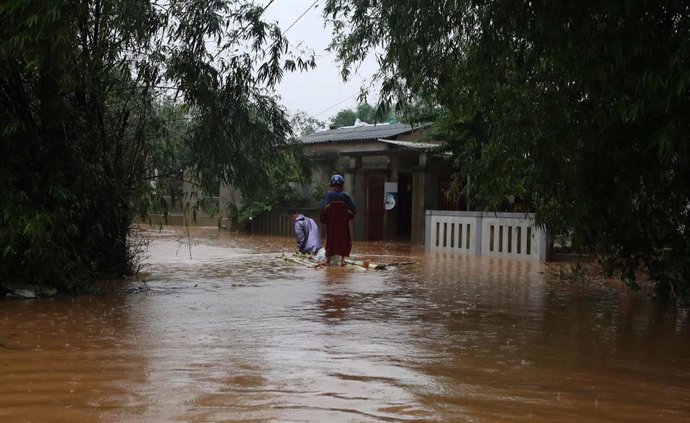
(320, 92)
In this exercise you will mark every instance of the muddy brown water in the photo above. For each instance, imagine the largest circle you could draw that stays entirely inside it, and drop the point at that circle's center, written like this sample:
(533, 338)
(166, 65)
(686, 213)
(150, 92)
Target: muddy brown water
(228, 333)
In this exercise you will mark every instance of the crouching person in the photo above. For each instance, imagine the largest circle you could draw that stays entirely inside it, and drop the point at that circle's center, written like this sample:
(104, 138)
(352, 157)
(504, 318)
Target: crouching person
(306, 233)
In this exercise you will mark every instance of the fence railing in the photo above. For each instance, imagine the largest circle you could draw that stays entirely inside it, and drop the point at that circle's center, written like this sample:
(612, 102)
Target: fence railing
(278, 222)
(485, 234)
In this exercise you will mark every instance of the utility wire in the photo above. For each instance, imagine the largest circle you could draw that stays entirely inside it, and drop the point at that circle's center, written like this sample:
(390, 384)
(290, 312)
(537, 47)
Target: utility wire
(266, 7)
(300, 16)
(335, 105)
(293, 24)
(328, 54)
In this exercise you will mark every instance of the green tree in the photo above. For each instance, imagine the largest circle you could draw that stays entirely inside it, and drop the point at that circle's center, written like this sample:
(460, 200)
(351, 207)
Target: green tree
(81, 130)
(579, 107)
(345, 117)
(365, 113)
(303, 124)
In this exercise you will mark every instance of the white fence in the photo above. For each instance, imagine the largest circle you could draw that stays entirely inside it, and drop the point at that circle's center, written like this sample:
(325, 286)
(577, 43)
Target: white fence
(485, 234)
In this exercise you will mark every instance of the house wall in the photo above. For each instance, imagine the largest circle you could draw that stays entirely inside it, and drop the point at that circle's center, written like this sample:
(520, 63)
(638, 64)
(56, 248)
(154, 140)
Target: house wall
(419, 181)
(412, 136)
(345, 146)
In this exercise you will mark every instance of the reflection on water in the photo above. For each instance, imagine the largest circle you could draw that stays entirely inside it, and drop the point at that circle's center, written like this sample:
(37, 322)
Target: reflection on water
(229, 333)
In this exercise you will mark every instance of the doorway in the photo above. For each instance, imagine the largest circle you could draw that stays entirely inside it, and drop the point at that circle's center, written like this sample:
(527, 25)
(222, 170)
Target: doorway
(404, 206)
(374, 211)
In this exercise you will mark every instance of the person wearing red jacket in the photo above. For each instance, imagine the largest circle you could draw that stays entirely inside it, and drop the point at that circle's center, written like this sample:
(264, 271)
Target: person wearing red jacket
(337, 209)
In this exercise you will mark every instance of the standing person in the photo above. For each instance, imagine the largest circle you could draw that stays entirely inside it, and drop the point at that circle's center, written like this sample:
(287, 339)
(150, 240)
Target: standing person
(306, 233)
(337, 209)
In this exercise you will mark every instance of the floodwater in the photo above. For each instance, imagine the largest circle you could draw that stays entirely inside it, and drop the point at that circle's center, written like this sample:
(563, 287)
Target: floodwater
(228, 333)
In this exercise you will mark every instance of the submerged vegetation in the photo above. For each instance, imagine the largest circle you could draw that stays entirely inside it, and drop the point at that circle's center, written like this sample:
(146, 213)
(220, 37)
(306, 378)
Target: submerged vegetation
(98, 97)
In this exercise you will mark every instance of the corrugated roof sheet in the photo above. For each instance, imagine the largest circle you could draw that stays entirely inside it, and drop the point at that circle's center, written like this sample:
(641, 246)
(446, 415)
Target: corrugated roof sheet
(412, 145)
(350, 133)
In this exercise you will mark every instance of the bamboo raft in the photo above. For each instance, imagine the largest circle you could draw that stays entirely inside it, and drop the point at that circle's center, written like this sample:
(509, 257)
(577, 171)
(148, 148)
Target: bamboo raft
(309, 261)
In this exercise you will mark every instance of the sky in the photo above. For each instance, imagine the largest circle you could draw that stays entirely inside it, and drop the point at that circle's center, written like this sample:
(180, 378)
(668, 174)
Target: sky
(320, 92)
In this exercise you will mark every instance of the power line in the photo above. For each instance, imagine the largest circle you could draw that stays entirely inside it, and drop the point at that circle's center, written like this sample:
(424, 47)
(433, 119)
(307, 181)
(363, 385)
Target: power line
(335, 105)
(266, 7)
(300, 16)
(329, 53)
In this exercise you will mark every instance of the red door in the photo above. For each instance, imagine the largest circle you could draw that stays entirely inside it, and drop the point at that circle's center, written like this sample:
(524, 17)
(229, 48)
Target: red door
(445, 203)
(374, 211)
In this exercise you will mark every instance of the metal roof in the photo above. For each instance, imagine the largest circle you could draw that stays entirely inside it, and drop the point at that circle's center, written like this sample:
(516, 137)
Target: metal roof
(400, 148)
(358, 133)
(424, 146)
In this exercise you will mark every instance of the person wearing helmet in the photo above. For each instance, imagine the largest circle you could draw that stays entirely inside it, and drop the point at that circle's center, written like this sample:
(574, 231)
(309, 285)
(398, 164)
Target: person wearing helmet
(337, 209)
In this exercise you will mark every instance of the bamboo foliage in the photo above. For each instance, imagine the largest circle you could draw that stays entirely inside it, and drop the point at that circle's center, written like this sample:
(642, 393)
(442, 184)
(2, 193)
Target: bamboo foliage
(82, 94)
(579, 108)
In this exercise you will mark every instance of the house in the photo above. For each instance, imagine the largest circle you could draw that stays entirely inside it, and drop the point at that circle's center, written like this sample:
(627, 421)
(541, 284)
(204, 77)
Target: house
(391, 175)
